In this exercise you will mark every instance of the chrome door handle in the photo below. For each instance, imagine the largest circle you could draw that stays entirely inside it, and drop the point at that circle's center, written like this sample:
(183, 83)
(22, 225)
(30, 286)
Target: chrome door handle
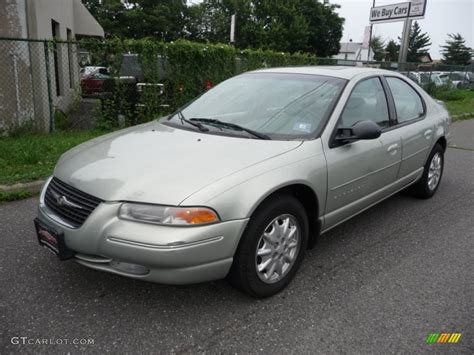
(393, 149)
(428, 133)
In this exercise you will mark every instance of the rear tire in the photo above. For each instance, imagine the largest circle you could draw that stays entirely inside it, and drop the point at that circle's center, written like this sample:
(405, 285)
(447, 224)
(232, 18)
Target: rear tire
(271, 248)
(428, 184)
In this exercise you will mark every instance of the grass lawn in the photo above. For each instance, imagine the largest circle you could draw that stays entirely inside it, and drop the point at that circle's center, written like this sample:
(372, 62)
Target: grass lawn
(464, 105)
(33, 156)
(13, 196)
(459, 102)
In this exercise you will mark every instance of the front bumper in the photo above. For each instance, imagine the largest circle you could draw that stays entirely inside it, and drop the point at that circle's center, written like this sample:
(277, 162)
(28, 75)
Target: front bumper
(169, 255)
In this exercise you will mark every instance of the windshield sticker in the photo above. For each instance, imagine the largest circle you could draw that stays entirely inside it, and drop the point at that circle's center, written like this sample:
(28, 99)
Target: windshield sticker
(302, 127)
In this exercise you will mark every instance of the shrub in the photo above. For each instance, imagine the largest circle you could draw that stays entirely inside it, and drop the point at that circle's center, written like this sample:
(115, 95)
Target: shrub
(185, 68)
(446, 93)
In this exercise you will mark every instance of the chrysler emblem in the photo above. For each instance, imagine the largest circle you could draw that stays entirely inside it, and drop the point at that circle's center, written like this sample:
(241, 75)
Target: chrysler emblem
(64, 202)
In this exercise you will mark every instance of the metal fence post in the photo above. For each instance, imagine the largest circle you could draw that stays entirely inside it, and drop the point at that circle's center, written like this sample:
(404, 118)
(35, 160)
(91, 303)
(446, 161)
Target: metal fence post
(48, 81)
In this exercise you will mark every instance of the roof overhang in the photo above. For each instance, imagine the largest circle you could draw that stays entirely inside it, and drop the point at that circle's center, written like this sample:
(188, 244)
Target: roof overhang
(84, 23)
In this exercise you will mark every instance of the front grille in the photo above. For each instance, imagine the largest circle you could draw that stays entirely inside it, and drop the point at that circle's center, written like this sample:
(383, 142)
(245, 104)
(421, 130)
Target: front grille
(70, 204)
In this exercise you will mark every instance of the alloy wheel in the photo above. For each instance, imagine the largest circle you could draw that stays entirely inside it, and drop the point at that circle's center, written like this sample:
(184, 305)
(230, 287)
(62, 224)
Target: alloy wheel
(434, 172)
(278, 248)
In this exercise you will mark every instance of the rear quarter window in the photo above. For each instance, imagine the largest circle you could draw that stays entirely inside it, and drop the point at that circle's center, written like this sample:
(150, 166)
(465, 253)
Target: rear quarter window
(408, 102)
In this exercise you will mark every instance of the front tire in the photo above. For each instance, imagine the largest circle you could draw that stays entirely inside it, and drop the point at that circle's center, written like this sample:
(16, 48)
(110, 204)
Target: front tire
(428, 184)
(272, 247)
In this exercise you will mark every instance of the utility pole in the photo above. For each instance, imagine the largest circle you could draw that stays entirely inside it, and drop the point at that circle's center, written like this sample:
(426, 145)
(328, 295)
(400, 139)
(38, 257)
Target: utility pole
(232, 29)
(370, 36)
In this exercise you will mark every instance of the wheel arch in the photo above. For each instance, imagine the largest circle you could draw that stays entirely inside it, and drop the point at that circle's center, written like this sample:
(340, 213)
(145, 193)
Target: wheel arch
(442, 142)
(308, 198)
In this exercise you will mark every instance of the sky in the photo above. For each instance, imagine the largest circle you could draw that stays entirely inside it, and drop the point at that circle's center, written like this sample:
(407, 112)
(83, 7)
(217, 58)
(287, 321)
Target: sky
(442, 17)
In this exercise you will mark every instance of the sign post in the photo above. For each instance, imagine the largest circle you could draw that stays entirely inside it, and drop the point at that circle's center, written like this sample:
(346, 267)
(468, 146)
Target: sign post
(402, 55)
(405, 11)
(370, 37)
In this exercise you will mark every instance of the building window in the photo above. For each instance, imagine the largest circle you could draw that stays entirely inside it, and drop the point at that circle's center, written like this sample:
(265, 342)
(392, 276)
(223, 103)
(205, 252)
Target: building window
(56, 34)
(70, 58)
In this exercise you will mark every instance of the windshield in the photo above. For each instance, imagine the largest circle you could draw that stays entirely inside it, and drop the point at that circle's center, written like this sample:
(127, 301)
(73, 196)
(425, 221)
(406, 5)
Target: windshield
(283, 106)
(444, 78)
(456, 76)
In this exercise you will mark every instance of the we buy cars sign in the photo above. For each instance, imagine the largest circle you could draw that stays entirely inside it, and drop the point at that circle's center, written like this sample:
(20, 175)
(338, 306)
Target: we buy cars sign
(417, 8)
(387, 13)
(397, 12)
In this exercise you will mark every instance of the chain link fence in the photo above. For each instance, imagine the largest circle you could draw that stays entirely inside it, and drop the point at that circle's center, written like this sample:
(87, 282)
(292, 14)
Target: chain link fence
(37, 78)
(427, 75)
(46, 85)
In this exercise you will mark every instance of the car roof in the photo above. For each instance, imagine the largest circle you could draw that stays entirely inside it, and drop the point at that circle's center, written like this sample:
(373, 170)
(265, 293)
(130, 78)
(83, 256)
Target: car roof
(335, 71)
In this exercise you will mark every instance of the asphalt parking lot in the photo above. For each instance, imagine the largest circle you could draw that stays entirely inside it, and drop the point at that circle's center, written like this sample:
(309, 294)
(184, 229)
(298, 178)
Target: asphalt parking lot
(380, 283)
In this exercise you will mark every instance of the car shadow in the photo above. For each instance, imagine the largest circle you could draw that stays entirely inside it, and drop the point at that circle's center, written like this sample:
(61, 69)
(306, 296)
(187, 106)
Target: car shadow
(106, 286)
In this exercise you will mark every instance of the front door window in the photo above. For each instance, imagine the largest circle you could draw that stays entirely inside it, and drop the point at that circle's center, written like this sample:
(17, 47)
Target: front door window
(367, 102)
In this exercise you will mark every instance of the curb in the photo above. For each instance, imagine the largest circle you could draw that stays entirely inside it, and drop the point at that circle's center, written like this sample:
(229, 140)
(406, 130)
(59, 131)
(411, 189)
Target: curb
(463, 116)
(32, 187)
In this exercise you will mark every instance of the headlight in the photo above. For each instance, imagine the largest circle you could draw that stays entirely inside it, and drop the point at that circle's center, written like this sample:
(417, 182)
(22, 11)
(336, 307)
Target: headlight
(168, 215)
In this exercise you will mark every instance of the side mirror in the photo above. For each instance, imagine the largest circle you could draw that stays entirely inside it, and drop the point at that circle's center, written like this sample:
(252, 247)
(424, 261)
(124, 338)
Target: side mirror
(361, 130)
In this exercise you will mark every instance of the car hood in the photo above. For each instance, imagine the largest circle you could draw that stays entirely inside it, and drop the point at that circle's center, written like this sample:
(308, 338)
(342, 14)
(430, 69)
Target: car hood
(155, 163)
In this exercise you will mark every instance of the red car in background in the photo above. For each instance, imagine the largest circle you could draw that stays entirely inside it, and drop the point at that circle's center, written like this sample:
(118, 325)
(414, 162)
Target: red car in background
(92, 82)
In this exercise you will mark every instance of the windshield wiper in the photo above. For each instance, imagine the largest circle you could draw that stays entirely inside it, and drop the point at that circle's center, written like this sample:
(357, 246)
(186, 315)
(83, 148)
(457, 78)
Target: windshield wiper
(233, 126)
(195, 124)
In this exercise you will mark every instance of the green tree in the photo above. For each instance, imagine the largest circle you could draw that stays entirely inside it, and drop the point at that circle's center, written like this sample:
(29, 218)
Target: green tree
(298, 25)
(110, 14)
(455, 51)
(281, 25)
(325, 27)
(198, 23)
(418, 44)
(377, 46)
(392, 49)
(210, 21)
(164, 19)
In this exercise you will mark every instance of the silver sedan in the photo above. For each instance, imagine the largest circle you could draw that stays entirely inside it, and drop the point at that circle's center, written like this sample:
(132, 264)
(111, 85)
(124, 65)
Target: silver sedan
(242, 180)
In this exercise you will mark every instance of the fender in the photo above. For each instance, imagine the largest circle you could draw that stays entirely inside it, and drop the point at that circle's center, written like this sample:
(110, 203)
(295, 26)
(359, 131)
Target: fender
(238, 195)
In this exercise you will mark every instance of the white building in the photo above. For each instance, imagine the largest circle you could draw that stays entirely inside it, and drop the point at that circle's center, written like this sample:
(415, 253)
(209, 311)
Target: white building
(27, 93)
(353, 51)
